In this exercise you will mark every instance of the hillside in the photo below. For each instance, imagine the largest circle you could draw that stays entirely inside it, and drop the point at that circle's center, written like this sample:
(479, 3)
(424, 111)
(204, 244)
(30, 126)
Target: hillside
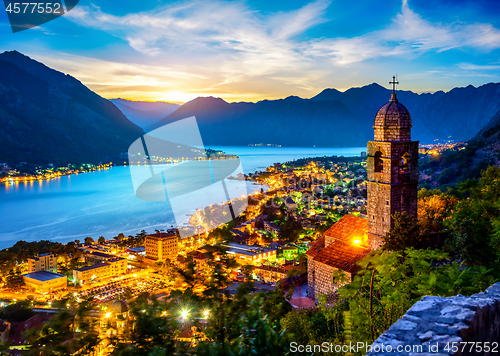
(334, 118)
(49, 117)
(144, 113)
(482, 151)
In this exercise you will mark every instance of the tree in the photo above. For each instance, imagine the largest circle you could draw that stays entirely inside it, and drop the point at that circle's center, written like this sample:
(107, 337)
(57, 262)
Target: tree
(274, 304)
(14, 279)
(239, 327)
(17, 312)
(475, 220)
(434, 207)
(153, 332)
(291, 229)
(58, 337)
(101, 240)
(89, 241)
(406, 233)
(391, 282)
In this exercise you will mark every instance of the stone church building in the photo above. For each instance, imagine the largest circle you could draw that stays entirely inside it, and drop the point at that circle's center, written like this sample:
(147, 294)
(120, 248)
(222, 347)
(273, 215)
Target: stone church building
(392, 166)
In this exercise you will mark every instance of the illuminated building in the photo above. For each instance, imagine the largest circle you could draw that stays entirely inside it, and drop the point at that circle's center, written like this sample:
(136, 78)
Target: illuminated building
(162, 246)
(245, 254)
(111, 268)
(43, 262)
(45, 281)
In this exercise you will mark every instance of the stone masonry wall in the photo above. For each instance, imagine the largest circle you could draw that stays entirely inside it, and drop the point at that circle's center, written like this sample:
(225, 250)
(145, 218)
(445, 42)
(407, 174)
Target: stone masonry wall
(324, 279)
(435, 322)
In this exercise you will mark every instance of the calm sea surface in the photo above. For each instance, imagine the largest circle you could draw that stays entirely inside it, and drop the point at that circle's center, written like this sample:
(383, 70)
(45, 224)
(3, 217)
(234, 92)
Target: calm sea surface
(104, 203)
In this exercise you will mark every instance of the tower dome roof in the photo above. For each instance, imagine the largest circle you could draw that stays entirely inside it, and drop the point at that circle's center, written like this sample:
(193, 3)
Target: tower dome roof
(393, 114)
(119, 306)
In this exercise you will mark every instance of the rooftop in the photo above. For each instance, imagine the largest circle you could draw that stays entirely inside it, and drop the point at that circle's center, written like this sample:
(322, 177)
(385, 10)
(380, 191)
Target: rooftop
(342, 255)
(100, 254)
(43, 276)
(349, 228)
(162, 235)
(137, 249)
(316, 247)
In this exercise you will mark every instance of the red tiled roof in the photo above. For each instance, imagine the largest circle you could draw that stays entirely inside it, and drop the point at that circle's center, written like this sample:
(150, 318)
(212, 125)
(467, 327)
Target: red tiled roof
(348, 228)
(316, 247)
(342, 255)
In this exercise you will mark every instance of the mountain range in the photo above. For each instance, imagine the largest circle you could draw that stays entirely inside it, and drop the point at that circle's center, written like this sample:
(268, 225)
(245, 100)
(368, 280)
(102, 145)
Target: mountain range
(334, 118)
(50, 117)
(144, 113)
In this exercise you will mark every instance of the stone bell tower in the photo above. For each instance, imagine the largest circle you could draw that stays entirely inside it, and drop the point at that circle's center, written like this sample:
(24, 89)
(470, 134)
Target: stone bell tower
(392, 167)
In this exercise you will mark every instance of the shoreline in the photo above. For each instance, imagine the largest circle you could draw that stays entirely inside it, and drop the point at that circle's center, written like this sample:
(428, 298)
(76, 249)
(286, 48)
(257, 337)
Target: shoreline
(114, 232)
(65, 171)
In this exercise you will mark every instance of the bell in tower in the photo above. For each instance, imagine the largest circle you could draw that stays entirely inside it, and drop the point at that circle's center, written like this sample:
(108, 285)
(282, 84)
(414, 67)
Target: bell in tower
(392, 167)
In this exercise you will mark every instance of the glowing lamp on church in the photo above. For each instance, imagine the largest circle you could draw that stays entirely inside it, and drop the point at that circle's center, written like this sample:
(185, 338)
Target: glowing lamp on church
(357, 241)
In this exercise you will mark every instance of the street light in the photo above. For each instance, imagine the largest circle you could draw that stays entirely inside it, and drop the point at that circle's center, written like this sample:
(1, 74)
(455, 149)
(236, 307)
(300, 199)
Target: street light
(184, 314)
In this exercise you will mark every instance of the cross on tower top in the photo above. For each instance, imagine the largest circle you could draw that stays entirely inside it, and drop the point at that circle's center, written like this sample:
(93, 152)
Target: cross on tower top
(393, 84)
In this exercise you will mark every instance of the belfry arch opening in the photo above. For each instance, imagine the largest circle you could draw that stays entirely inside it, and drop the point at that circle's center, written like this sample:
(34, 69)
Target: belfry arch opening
(379, 164)
(405, 158)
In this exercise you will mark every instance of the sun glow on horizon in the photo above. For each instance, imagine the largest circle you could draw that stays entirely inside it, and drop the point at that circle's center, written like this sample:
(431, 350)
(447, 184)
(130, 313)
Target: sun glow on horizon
(180, 98)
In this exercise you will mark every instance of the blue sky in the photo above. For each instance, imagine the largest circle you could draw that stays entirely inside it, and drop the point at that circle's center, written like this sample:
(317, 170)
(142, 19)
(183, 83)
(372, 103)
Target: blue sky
(253, 50)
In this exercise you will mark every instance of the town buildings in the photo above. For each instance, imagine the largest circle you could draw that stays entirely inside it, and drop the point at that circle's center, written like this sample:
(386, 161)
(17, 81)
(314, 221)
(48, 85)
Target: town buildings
(45, 281)
(392, 167)
(43, 262)
(111, 268)
(245, 254)
(161, 246)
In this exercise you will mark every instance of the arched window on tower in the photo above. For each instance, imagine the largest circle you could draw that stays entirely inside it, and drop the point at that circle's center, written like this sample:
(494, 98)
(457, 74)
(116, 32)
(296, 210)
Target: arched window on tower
(379, 164)
(403, 165)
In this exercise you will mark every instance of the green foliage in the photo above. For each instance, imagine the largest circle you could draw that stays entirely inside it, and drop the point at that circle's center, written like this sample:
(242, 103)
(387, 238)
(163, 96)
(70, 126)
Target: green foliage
(274, 304)
(19, 311)
(315, 325)
(475, 220)
(23, 250)
(290, 229)
(14, 280)
(405, 233)
(65, 333)
(391, 282)
(153, 332)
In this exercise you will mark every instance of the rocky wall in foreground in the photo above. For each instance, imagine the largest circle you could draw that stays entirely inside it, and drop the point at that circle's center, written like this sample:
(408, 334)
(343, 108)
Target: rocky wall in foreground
(437, 325)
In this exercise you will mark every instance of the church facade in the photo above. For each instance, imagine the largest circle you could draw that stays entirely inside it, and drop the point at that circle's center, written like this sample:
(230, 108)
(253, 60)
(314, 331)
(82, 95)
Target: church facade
(392, 167)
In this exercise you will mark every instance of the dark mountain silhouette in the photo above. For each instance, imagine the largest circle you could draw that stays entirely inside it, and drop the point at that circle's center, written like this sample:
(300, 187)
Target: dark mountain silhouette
(451, 167)
(292, 121)
(334, 118)
(48, 116)
(144, 113)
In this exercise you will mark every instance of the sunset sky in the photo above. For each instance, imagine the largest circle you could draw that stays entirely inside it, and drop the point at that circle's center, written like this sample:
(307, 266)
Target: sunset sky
(253, 50)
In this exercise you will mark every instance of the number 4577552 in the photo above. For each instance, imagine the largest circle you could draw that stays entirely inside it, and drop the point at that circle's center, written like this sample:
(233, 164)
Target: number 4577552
(34, 7)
